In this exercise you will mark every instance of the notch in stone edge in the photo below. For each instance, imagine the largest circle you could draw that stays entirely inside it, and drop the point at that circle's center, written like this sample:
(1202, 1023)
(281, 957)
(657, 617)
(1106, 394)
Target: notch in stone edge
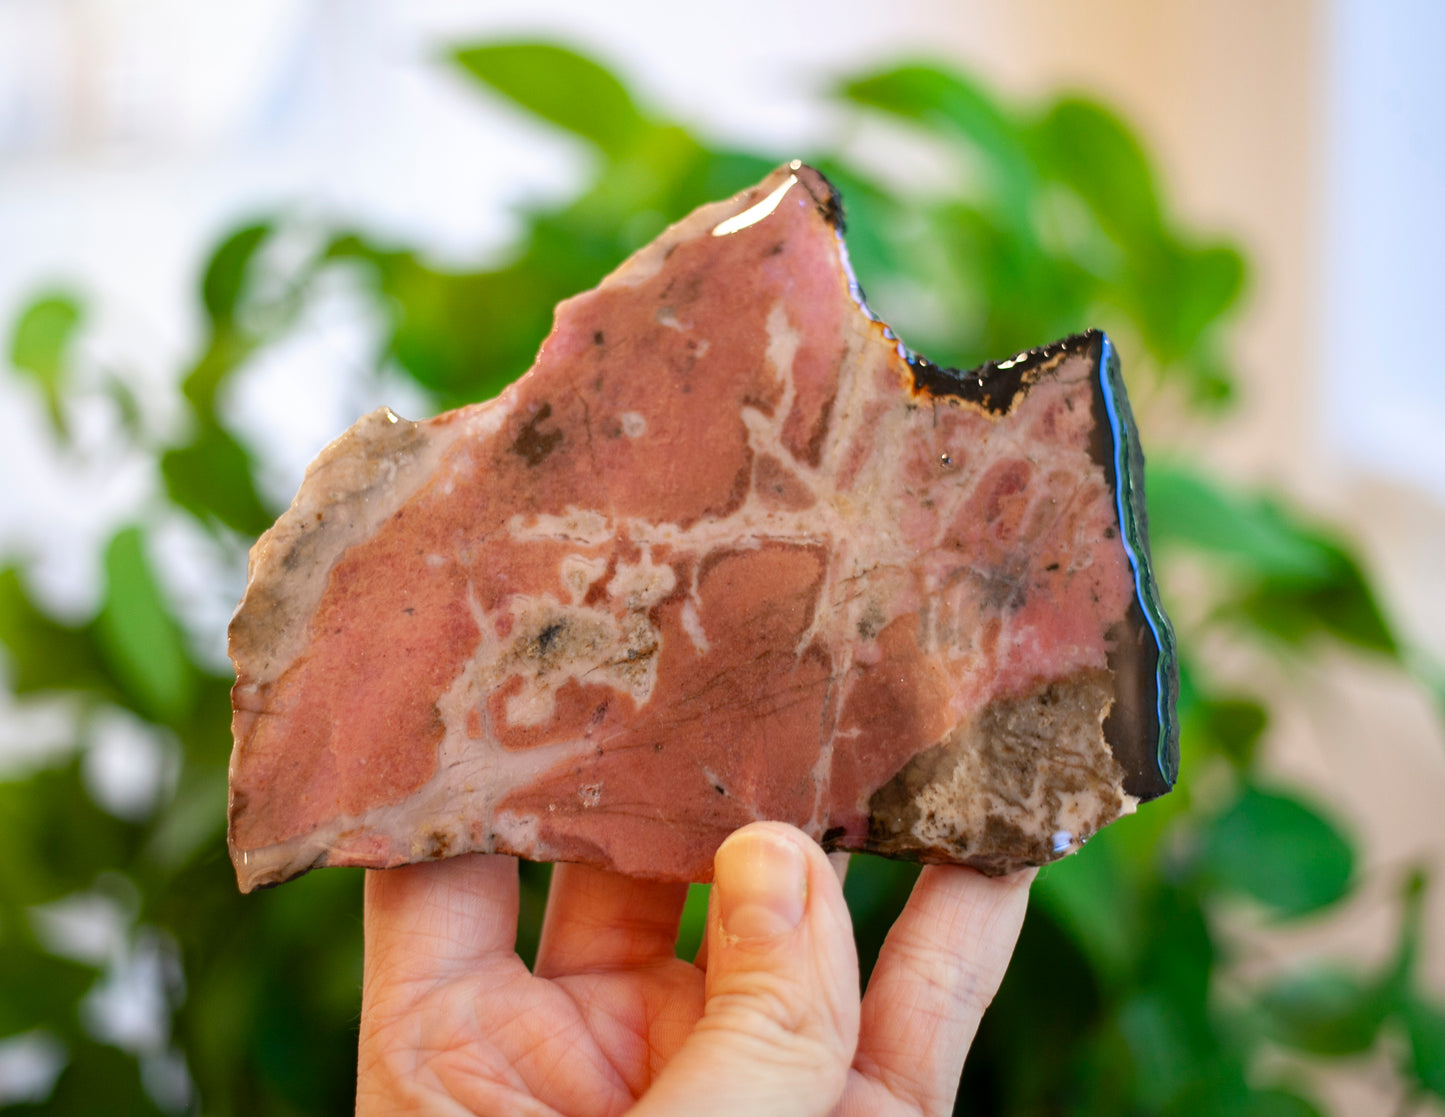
(995, 387)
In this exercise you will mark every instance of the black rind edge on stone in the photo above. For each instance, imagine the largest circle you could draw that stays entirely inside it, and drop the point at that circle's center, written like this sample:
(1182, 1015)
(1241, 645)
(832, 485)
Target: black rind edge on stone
(995, 385)
(830, 205)
(1142, 729)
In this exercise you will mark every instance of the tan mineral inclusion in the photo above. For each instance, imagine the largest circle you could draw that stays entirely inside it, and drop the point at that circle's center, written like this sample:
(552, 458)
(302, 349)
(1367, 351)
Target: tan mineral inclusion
(728, 551)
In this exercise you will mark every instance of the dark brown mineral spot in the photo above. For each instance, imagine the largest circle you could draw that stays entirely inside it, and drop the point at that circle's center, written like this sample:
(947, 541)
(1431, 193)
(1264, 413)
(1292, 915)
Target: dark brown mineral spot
(533, 444)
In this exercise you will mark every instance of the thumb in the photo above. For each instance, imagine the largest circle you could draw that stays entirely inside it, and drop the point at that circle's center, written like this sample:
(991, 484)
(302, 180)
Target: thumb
(780, 1020)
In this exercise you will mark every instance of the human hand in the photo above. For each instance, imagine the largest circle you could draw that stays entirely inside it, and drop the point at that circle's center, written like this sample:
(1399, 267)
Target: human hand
(767, 1021)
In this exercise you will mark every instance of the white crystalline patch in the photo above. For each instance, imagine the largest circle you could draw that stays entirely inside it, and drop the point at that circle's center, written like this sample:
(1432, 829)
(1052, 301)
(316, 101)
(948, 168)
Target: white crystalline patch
(692, 625)
(575, 525)
(551, 642)
(634, 425)
(762, 430)
(515, 831)
(665, 316)
(765, 432)
(642, 584)
(579, 572)
(532, 705)
(473, 777)
(783, 343)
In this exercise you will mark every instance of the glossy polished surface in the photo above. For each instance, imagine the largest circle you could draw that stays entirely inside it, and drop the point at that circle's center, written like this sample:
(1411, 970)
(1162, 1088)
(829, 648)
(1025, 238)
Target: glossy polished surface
(729, 551)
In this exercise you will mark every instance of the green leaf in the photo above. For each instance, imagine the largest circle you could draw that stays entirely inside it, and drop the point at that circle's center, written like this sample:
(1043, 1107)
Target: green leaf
(211, 478)
(720, 173)
(1278, 1103)
(1049, 990)
(1431, 674)
(1341, 604)
(1211, 383)
(1025, 291)
(223, 287)
(1325, 1011)
(41, 343)
(1188, 509)
(534, 879)
(223, 356)
(947, 102)
(132, 412)
(1279, 851)
(1231, 726)
(1192, 689)
(693, 925)
(38, 990)
(871, 215)
(876, 890)
(1092, 897)
(44, 654)
(194, 818)
(57, 840)
(1177, 959)
(138, 636)
(1301, 581)
(561, 87)
(102, 1079)
(1177, 293)
(42, 335)
(226, 272)
(1159, 1045)
(1425, 1026)
(1211, 281)
(1400, 972)
(1085, 146)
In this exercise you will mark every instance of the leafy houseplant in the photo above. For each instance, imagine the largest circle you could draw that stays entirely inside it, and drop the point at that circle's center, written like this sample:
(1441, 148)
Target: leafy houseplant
(1120, 999)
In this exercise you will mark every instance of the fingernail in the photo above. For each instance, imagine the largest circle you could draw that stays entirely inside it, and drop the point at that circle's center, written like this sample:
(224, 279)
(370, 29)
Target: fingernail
(762, 885)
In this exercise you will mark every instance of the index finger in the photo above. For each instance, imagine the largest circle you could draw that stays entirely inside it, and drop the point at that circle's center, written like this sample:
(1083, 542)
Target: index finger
(938, 970)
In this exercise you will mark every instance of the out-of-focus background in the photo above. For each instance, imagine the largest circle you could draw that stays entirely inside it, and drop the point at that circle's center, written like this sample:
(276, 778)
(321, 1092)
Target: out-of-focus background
(138, 135)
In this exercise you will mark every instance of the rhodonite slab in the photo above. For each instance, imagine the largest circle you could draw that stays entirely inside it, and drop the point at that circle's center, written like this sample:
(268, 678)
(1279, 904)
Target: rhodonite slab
(729, 551)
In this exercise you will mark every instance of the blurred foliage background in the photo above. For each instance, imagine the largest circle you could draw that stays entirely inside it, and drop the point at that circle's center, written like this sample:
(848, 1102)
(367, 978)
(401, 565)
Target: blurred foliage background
(1123, 998)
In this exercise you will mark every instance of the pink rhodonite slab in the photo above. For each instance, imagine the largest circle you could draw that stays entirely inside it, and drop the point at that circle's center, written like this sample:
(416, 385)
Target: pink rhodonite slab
(727, 552)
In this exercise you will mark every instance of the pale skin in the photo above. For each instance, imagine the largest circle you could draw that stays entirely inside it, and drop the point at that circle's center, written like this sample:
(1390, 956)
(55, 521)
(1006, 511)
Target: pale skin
(767, 1021)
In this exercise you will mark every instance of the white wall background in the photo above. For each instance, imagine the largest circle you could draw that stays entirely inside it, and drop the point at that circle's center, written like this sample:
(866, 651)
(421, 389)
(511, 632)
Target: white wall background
(1385, 236)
